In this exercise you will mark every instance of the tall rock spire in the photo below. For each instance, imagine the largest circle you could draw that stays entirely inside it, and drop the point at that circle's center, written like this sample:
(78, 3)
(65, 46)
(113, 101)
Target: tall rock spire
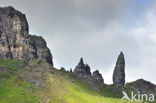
(119, 71)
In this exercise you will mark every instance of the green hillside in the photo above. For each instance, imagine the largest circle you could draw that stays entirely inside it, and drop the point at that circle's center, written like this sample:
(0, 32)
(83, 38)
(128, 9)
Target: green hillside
(57, 88)
(12, 89)
(76, 92)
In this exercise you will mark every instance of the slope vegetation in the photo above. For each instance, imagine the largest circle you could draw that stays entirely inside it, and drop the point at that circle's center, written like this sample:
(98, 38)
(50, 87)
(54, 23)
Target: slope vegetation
(56, 87)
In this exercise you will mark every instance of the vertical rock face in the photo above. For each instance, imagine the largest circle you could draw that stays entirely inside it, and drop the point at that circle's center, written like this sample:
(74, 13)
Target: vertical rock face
(98, 77)
(15, 41)
(82, 70)
(119, 71)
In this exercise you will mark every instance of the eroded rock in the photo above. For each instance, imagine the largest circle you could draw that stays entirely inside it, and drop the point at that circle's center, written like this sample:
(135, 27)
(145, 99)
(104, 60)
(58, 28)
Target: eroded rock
(15, 40)
(82, 70)
(119, 71)
(98, 77)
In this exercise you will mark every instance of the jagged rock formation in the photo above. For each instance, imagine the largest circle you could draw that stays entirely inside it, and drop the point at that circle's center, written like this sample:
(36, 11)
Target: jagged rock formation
(119, 71)
(97, 77)
(15, 41)
(82, 71)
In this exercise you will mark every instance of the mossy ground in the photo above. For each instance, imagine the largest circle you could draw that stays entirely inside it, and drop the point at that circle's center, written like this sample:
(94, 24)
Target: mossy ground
(10, 65)
(13, 90)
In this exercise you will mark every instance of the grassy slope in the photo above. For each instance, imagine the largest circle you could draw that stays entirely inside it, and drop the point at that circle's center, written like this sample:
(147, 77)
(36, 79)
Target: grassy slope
(13, 90)
(76, 92)
(59, 89)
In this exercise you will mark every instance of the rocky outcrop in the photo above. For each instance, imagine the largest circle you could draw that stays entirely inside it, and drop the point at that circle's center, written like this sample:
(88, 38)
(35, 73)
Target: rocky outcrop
(142, 86)
(97, 77)
(35, 72)
(15, 41)
(119, 71)
(82, 71)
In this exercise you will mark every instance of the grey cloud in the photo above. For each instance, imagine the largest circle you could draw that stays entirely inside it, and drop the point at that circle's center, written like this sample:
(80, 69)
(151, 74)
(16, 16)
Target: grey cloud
(96, 30)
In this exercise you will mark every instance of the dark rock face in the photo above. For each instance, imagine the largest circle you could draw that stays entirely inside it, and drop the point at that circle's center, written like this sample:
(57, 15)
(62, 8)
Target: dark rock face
(63, 69)
(82, 70)
(119, 72)
(142, 86)
(15, 41)
(42, 51)
(97, 77)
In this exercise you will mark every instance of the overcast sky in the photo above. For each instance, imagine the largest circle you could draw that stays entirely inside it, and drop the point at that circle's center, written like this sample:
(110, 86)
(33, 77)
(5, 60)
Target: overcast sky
(96, 30)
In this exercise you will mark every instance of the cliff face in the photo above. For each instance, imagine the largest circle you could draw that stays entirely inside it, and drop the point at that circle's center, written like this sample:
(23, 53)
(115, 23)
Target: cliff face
(15, 41)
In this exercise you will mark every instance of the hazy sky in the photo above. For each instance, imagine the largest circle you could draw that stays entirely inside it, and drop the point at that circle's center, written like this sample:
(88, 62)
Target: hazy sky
(96, 30)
